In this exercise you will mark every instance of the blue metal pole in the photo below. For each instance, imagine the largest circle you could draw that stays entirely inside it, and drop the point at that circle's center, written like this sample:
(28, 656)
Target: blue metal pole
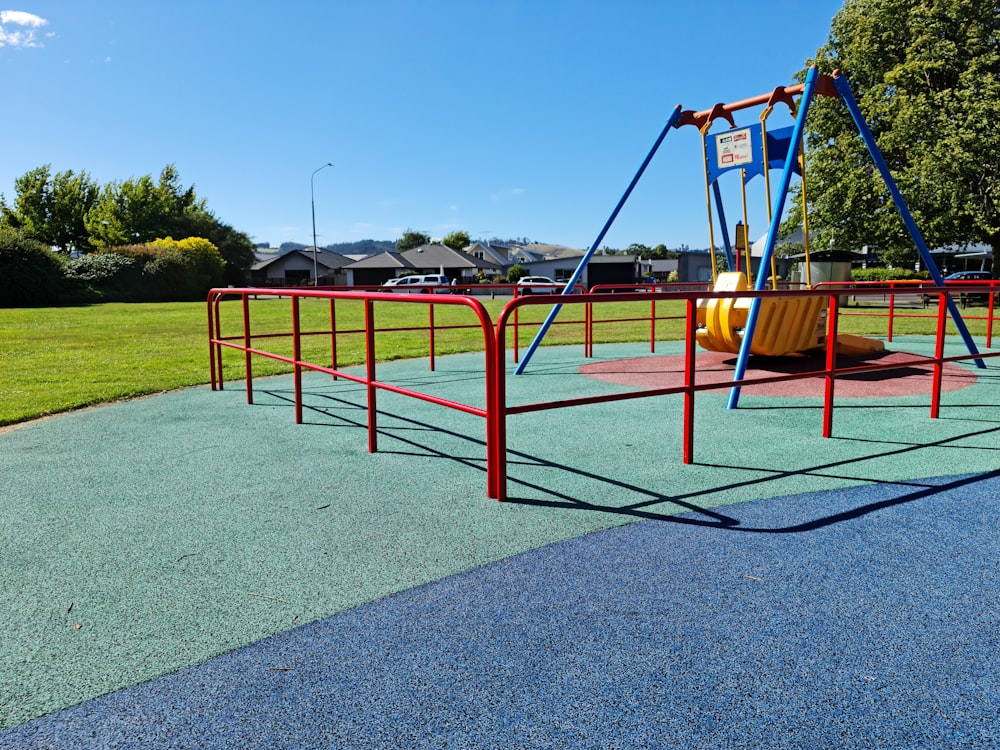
(721, 213)
(675, 118)
(844, 89)
(772, 233)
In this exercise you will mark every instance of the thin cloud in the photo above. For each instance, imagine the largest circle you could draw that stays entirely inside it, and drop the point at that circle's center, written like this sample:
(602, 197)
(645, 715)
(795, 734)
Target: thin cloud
(18, 28)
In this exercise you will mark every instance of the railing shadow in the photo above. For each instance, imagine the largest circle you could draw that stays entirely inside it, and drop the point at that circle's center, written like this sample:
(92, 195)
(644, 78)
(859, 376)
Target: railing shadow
(684, 508)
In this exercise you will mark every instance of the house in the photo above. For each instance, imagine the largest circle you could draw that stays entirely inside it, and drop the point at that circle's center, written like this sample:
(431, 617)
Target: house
(499, 254)
(298, 268)
(963, 258)
(661, 268)
(429, 258)
(600, 269)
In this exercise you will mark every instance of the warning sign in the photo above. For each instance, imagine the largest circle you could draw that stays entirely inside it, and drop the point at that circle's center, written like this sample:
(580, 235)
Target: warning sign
(733, 148)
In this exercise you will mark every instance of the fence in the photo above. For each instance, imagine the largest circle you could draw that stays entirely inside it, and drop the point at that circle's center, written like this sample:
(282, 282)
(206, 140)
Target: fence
(494, 345)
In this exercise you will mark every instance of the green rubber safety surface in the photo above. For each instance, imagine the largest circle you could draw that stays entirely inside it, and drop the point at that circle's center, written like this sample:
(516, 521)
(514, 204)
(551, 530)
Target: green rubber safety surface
(142, 537)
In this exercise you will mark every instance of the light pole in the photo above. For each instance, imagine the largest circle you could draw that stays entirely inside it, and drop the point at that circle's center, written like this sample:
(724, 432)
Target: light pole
(312, 200)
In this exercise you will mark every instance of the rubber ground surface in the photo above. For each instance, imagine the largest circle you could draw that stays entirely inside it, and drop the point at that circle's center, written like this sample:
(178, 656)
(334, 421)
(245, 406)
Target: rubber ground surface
(190, 571)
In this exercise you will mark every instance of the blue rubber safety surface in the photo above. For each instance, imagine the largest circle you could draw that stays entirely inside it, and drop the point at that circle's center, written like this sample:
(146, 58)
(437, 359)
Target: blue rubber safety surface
(816, 593)
(860, 618)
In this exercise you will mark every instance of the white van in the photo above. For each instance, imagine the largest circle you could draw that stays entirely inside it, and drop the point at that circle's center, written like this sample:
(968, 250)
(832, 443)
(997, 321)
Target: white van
(434, 283)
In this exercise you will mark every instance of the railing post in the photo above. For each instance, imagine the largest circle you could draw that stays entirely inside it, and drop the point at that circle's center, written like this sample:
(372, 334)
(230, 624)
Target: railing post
(213, 334)
(498, 487)
(831, 364)
(430, 323)
(370, 376)
(588, 333)
(892, 307)
(517, 312)
(218, 335)
(333, 335)
(652, 325)
(247, 343)
(938, 354)
(689, 379)
(297, 358)
(989, 315)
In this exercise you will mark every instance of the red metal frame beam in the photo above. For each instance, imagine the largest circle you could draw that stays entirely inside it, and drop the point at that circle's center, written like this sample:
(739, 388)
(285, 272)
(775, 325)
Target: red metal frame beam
(785, 94)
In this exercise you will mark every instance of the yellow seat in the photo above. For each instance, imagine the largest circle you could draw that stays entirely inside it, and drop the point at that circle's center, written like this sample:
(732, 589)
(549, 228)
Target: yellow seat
(785, 325)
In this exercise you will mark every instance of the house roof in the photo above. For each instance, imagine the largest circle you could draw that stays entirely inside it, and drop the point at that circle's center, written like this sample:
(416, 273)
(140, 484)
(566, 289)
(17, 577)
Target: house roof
(498, 253)
(383, 260)
(597, 258)
(552, 252)
(435, 256)
(324, 258)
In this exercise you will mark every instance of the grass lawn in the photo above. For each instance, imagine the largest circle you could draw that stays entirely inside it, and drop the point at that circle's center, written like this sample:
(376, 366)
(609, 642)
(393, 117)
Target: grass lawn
(63, 358)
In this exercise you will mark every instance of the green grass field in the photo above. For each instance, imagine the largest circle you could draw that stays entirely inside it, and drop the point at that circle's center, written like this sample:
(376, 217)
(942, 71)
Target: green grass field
(57, 359)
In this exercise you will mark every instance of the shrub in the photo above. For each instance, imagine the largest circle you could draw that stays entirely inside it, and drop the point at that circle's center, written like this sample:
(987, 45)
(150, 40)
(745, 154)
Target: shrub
(183, 270)
(515, 272)
(112, 277)
(159, 271)
(30, 273)
(887, 274)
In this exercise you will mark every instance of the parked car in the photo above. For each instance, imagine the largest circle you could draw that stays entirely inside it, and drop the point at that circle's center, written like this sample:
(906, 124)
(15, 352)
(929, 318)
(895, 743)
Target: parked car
(538, 285)
(434, 283)
(967, 276)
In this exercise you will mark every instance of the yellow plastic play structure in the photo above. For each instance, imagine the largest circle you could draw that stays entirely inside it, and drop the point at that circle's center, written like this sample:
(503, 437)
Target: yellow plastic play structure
(785, 325)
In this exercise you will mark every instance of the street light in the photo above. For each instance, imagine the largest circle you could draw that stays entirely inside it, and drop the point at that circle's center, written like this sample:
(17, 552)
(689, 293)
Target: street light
(312, 199)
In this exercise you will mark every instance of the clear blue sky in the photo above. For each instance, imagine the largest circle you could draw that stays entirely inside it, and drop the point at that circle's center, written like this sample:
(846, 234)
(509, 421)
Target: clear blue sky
(502, 118)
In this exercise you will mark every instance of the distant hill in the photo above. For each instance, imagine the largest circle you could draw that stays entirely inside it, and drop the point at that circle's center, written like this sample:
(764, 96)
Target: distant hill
(363, 247)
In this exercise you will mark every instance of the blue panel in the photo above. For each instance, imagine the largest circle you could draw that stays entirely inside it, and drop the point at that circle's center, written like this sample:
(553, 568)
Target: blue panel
(739, 148)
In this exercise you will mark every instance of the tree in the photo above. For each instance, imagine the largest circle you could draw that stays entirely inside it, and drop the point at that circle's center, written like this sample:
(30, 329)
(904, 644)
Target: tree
(457, 240)
(51, 208)
(515, 272)
(235, 247)
(411, 239)
(926, 74)
(30, 274)
(140, 210)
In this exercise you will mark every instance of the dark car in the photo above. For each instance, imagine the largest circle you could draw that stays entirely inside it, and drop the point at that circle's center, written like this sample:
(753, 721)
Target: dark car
(967, 277)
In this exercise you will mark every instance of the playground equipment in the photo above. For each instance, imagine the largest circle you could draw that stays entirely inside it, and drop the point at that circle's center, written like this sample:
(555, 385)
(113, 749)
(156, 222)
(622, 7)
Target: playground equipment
(731, 324)
(786, 325)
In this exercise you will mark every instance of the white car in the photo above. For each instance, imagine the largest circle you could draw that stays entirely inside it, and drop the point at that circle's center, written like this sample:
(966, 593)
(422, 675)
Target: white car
(538, 285)
(433, 283)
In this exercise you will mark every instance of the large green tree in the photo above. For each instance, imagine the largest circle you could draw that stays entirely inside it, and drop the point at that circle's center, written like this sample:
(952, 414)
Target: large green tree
(457, 240)
(235, 247)
(412, 239)
(926, 74)
(51, 207)
(140, 210)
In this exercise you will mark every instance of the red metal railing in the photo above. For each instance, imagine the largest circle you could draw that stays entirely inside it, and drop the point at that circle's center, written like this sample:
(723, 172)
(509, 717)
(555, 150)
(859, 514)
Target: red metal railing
(650, 288)
(497, 410)
(830, 372)
(244, 342)
(925, 290)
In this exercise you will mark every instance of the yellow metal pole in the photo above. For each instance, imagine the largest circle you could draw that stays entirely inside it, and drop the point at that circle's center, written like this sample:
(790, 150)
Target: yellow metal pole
(805, 215)
(746, 224)
(767, 186)
(708, 198)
